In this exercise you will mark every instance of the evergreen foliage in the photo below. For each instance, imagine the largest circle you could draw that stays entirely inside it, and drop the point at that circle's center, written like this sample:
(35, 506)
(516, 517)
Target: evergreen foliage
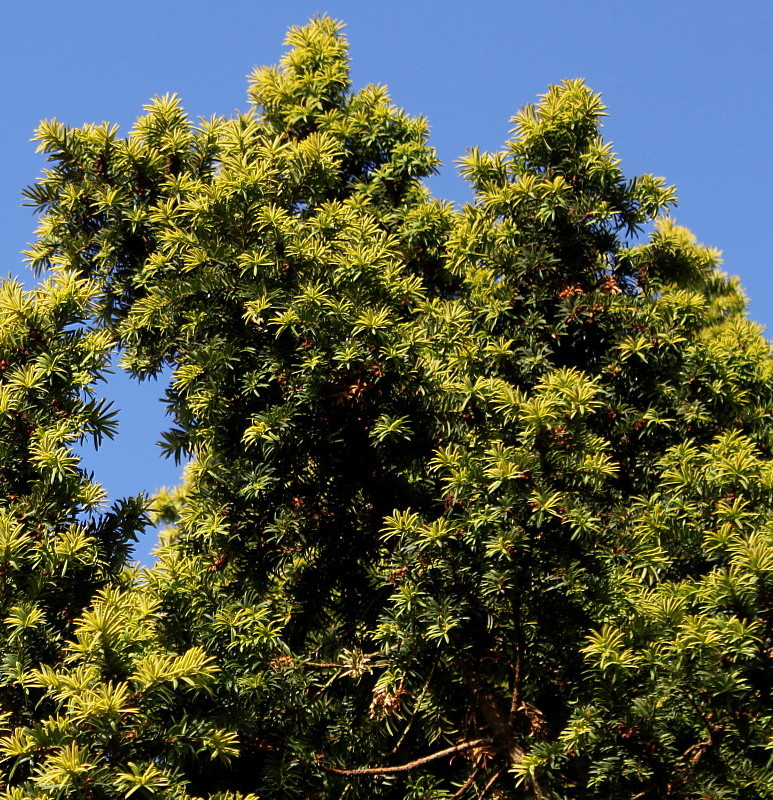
(479, 499)
(57, 546)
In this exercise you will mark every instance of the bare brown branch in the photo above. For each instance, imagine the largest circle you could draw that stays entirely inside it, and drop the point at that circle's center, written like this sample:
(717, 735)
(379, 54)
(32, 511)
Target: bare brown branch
(517, 698)
(466, 785)
(497, 721)
(494, 778)
(419, 762)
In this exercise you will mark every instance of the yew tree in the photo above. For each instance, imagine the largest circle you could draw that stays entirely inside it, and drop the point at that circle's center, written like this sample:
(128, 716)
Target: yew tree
(477, 501)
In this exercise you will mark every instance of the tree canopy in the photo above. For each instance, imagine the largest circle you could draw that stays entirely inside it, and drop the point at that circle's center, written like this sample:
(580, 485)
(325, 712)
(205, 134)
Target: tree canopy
(478, 501)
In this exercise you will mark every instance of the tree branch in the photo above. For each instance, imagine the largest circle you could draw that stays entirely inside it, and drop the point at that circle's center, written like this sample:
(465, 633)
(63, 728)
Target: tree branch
(416, 705)
(419, 762)
(466, 785)
(494, 778)
(488, 705)
(516, 703)
(497, 721)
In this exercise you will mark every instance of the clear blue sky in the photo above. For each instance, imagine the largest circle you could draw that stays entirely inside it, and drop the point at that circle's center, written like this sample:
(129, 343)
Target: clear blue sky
(689, 87)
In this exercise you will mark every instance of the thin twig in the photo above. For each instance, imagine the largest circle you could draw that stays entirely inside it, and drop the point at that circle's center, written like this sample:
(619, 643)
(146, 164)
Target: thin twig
(517, 699)
(366, 657)
(416, 705)
(516, 702)
(419, 762)
(495, 777)
(469, 782)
